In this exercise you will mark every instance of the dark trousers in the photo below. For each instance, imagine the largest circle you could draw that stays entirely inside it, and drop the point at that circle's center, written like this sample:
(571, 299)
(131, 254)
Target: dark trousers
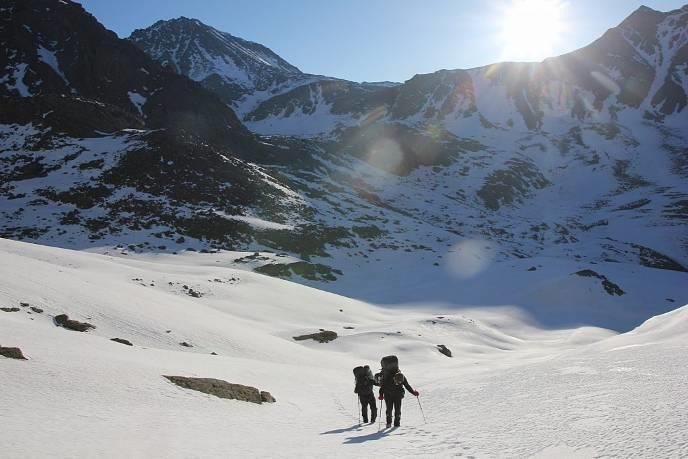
(368, 400)
(393, 403)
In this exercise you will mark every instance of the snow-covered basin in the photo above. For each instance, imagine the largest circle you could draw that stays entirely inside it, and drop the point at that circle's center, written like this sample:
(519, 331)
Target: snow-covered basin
(510, 389)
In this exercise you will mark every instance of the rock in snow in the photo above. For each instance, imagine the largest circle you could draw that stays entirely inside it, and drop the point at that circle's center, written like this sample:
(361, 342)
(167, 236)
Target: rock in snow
(222, 389)
(324, 336)
(64, 321)
(12, 353)
(444, 350)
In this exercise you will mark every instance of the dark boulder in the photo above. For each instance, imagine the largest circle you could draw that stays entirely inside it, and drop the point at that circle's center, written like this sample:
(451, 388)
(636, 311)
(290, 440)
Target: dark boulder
(121, 341)
(324, 336)
(9, 309)
(222, 389)
(65, 322)
(444, 350)
(12, 353)
(36, 310)
(193, 293)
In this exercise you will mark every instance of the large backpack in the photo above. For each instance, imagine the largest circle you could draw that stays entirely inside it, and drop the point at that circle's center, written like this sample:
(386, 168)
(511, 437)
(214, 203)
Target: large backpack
(389, 364)
(390, 368)
(361, 375)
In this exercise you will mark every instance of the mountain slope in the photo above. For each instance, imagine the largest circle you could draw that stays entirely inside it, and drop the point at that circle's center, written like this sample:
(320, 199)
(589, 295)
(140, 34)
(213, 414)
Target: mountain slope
(637, 67)
(57, 48)
(119, 150)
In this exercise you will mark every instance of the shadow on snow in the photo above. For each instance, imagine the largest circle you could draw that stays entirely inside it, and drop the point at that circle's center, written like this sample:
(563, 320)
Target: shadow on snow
(372, 436)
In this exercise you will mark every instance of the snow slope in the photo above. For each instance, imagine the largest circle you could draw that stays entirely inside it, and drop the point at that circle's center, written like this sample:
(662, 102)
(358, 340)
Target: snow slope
(511, 389)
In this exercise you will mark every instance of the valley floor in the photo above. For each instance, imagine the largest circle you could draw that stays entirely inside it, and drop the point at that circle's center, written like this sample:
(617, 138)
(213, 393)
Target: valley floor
(511, 389)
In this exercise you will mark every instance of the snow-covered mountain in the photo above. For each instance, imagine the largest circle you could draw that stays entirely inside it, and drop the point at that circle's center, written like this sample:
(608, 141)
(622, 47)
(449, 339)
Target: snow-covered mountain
(246, 74)
(637, 69)
(62, 66)
(232, 67)
(571, 172)
(99, 135)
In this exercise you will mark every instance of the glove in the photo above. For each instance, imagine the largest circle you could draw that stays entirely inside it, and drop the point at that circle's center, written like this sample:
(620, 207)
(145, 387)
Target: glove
(416, 393)
(381, 397)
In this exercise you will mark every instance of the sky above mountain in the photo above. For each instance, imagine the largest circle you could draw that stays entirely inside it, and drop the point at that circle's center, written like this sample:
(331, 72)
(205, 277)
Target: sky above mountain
(376, 40)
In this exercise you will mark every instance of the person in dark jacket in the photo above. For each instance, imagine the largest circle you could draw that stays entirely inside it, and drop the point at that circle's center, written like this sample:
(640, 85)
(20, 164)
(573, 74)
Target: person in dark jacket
(364, 389)
(392, 392)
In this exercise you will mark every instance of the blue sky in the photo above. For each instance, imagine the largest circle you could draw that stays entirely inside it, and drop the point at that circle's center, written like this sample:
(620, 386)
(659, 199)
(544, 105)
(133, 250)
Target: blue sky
(376, 40)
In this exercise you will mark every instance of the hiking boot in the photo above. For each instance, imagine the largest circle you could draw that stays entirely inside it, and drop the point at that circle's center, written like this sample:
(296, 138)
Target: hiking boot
(389, 424)
(365, 420)
(397, 424)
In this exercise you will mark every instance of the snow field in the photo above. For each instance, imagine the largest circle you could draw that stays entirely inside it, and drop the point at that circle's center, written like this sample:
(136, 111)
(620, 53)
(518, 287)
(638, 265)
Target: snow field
(511, 389)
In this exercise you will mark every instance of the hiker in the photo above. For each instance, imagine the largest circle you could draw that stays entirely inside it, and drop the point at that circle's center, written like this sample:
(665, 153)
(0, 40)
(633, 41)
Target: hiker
(364, 389)
(392, 384)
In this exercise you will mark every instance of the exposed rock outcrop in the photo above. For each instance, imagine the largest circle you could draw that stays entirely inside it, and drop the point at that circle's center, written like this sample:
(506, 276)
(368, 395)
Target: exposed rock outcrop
(323, 336)
(223, 389)
(444, 350)
(65, 322)
(12, 353)
(609, 286)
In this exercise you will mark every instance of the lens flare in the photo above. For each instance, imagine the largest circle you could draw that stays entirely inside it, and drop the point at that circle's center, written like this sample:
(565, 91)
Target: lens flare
(605, 81)
(386, 154)
(469, 258)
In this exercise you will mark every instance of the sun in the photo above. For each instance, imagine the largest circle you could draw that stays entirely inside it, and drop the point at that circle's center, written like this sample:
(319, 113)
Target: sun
(531, 29)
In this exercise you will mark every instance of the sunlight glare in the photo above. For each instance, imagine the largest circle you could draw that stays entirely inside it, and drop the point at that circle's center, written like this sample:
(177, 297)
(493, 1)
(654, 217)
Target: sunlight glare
(531, 29)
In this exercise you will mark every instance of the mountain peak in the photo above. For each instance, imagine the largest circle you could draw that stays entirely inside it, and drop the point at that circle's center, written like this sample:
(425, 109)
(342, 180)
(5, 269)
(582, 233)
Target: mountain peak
(643, 16)
(229, 65)
(646, 9)
(182, 21)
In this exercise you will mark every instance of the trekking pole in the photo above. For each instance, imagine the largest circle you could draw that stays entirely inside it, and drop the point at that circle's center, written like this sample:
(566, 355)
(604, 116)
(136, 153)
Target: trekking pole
(379, 413)
(421, 410)
(359, 410)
